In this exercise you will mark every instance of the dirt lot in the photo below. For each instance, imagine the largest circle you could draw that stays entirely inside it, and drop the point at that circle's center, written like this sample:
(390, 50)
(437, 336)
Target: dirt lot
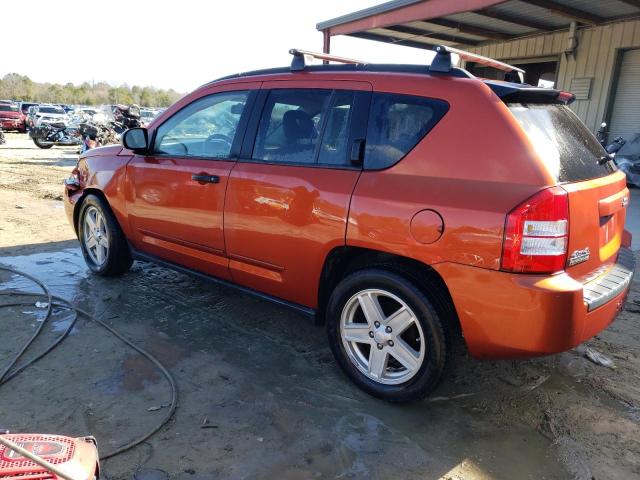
(262, 381)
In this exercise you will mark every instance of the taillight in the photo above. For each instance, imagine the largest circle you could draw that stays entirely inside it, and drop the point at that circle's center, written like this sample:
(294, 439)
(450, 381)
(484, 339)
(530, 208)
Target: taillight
(537, 233)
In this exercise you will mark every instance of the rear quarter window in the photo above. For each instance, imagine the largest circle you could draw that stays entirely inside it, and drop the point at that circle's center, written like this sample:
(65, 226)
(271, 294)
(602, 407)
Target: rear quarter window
(396, 124)
(566, 146)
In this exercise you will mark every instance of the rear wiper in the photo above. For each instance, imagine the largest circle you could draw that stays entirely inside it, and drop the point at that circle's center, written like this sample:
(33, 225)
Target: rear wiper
(605, 158)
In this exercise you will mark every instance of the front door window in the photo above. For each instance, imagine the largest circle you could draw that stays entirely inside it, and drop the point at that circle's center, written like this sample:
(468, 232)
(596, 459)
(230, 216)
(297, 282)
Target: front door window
(205, 128)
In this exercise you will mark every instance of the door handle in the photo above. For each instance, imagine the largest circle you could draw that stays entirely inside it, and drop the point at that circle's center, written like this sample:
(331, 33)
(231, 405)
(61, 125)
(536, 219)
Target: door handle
(203, 178)
(357, 151)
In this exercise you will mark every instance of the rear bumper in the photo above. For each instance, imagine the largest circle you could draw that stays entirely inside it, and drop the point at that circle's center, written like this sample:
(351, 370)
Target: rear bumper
(507, 315)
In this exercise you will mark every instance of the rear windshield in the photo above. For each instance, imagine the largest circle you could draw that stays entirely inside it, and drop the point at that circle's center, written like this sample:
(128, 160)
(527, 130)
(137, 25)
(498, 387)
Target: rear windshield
(569, 150)
(57, 110)
(8, 108)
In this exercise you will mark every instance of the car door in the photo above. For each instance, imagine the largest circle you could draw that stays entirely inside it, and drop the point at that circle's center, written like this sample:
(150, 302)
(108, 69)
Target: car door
(288, 196)
(176, 192)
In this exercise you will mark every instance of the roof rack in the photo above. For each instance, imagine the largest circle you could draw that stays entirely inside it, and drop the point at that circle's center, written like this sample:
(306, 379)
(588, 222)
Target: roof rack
(442, 62)
(300, 58)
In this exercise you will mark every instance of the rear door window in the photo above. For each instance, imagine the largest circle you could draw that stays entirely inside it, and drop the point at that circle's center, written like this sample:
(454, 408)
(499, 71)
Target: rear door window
(305, 127)
(569, 150)
(333, 148)
(396, 124)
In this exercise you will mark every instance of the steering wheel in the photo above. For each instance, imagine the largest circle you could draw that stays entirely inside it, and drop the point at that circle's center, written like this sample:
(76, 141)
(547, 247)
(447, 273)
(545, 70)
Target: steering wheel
(220, 137)
(177, 148)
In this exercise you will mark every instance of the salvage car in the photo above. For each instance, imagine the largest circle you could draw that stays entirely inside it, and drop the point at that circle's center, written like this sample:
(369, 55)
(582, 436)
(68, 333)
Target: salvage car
(49, 114)
(11, 118)
(402, 205)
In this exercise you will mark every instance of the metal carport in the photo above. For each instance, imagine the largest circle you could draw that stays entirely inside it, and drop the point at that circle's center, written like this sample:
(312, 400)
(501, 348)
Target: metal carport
(584, 46)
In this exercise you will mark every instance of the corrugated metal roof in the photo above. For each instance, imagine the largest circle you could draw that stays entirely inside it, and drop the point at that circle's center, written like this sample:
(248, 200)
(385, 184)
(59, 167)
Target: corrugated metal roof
(364, 13)
(602, 8)
(470, 18)
(431, 27)
(528, 11)
(425, 38)
(490, 22)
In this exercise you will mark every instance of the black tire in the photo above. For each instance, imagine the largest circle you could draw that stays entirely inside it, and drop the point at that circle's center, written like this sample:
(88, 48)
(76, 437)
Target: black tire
(118, 258)
(39, 144)
(435, 333)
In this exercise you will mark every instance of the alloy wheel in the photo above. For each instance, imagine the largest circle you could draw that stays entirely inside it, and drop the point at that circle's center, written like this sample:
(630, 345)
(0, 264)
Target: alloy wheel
(382, 336)
(96, 236)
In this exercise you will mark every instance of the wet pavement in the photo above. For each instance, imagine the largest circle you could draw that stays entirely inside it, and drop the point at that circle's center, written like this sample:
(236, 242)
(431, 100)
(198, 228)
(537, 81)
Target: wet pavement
(260, 395)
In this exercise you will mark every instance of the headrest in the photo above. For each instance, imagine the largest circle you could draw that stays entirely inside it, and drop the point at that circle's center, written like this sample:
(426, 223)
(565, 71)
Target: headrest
(297, 125)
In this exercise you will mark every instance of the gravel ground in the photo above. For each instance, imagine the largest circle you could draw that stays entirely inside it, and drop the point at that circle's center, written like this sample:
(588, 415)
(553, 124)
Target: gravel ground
(260, 395)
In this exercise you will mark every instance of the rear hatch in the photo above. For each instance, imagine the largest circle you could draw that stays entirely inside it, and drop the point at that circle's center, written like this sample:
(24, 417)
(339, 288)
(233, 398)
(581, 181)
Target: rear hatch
(597, 192)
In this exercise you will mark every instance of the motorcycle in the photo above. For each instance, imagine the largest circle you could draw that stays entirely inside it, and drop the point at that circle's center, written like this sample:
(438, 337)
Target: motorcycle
(46, 135)
(97, 134)
(127, 116)
(615, 146)
(627, 158)
(601, 134)
(625, 154)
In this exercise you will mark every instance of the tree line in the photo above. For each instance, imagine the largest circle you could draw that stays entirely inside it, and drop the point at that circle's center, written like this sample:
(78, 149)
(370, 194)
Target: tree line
(14, 86)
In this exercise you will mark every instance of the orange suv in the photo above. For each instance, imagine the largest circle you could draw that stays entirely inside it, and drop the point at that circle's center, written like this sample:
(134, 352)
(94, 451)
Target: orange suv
(401, 205)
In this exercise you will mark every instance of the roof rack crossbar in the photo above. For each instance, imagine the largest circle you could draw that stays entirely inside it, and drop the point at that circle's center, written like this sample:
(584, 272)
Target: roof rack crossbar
(442, 61)
(300, 57)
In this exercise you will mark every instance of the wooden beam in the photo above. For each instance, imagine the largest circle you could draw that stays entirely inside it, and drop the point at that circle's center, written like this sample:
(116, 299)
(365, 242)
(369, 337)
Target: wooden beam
(427, 34)
(516, 20)
(326, 42)
(470, 29)
(568, 12)
(397, 41)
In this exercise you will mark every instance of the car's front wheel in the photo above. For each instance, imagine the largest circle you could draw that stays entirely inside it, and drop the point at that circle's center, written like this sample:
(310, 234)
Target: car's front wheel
(103, 244)
(386, 335)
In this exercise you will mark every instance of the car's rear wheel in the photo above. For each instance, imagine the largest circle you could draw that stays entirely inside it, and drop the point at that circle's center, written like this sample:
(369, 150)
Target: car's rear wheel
(386, 335)
(103, 244)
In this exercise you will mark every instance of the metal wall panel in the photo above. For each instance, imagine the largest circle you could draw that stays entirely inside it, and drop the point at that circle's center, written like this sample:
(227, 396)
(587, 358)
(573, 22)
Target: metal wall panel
(625, 115)
(595, 57)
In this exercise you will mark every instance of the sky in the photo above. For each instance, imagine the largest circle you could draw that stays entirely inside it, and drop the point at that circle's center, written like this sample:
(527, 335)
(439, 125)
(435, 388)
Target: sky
(179, 44)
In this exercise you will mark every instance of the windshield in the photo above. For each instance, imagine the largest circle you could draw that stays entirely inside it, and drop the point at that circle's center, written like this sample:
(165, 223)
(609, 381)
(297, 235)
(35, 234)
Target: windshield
(51, 110)
(567, 147)
(4, 107)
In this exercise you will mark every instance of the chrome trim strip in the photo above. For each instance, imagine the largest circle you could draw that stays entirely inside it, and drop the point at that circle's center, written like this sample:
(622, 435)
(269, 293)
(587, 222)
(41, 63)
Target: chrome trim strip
(601, 290)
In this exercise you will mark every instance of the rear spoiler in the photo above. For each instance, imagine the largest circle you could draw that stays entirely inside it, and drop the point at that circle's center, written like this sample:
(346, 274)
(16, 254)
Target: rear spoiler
(519, 93)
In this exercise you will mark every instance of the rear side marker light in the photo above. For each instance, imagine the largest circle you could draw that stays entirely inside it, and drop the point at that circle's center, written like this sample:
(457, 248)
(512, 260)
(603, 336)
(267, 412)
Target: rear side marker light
(536, 234)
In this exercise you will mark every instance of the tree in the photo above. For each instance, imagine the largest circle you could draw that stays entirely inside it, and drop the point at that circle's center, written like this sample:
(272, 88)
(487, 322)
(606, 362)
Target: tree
(18, 87)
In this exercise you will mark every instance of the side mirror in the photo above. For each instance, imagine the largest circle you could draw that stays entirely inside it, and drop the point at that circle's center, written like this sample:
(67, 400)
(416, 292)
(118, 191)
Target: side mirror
(136, 139)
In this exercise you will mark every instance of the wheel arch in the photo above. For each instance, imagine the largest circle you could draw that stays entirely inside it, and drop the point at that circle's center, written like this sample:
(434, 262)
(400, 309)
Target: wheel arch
(344, 260)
